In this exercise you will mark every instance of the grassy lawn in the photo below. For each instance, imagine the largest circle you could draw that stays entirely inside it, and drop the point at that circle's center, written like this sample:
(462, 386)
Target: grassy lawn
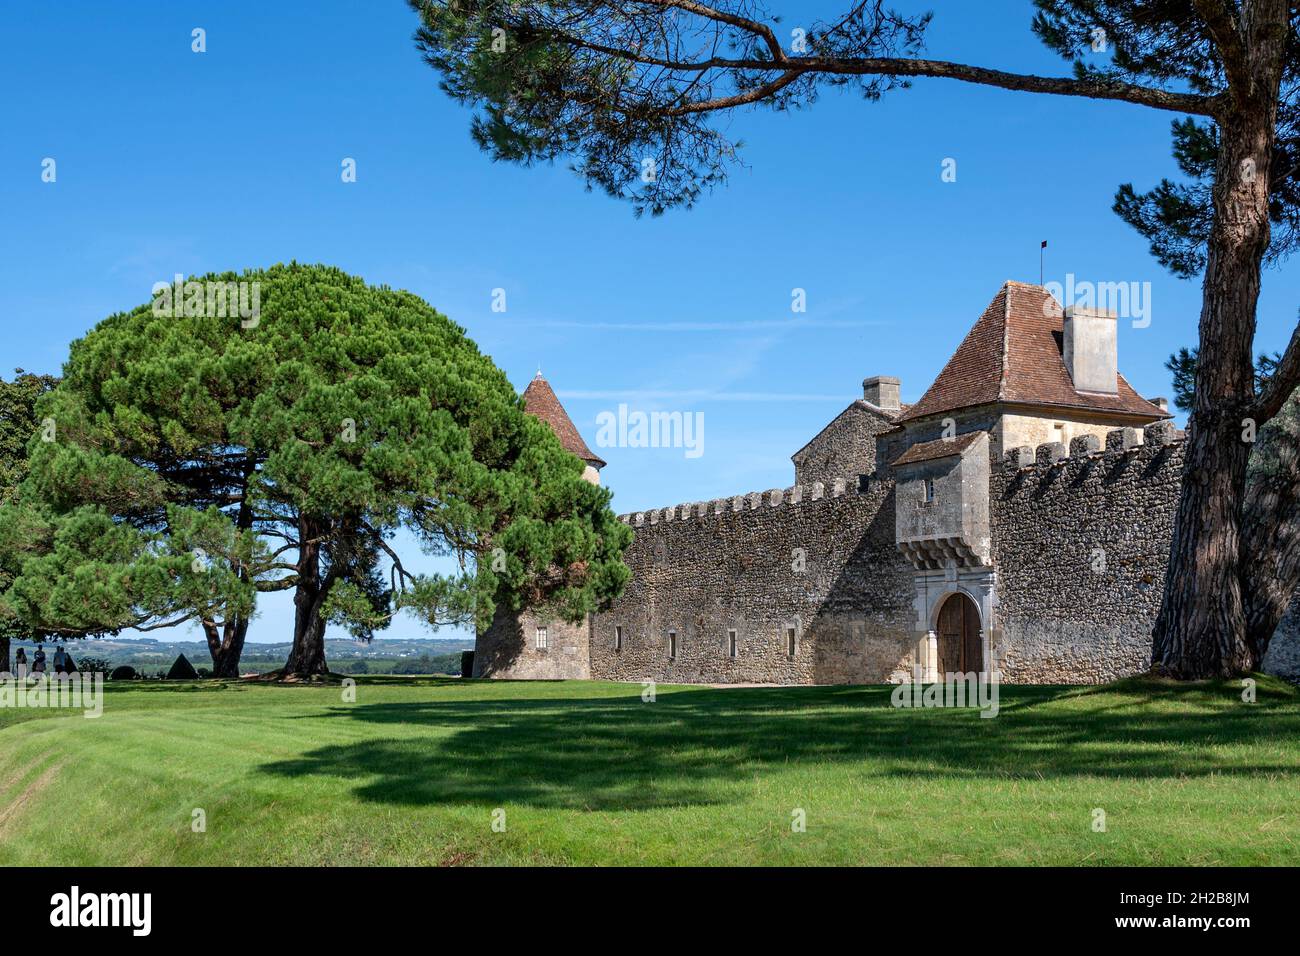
(586, 773)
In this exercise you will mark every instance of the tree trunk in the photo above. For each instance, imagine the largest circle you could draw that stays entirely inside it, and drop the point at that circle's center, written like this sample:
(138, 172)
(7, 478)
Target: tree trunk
(4, 654)
(1201, 629)
(307, 656)
(227, 651)
(227, 646)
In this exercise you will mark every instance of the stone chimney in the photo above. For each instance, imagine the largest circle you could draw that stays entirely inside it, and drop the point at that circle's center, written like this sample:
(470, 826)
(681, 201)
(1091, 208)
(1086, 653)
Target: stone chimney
(1090, 349)
(1160, 402)
(882, 391)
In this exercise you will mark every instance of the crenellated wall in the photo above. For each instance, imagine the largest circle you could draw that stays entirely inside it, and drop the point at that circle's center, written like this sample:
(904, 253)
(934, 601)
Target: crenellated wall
(1081, 541)
(1079, 546)
(820, 560)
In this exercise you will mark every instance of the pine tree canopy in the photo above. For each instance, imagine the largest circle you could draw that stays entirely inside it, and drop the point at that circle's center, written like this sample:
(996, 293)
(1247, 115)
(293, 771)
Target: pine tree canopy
(197, 459)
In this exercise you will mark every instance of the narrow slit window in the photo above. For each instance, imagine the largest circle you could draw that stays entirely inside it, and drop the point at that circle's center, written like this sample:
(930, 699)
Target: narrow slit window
(732, 644)
(672, 645)
(791, 642)
(618, 639)
(929, 489)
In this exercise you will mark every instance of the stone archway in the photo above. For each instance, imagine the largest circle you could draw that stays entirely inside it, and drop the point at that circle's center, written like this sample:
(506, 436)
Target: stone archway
(960, 637)
(934, 590)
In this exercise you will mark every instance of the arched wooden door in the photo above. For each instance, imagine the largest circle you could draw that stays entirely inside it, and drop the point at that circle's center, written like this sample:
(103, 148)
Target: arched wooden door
(960, 649)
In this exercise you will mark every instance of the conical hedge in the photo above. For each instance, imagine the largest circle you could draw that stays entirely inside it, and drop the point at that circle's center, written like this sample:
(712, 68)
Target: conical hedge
(182, 670)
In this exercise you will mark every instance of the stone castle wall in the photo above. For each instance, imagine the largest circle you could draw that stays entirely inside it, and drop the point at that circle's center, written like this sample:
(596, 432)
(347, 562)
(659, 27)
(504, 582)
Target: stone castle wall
(1081, 542)
(1283, 657)
(819, 561)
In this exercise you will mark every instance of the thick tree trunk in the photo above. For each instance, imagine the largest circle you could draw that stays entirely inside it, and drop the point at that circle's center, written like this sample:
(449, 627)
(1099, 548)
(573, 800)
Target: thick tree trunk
(4, 655)
(226, 646)
(1201, 629)
(307, 657)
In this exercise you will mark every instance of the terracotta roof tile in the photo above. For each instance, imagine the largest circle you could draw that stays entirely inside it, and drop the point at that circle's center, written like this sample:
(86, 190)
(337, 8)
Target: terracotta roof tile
(939, 448)
(541, 402)
(1013, 354)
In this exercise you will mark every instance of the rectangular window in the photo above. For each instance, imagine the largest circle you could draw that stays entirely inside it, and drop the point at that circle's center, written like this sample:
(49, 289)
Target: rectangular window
(618, 639)
(541, 638)
(732, 644)
(672, 645)
(791, 642)
(929, 489)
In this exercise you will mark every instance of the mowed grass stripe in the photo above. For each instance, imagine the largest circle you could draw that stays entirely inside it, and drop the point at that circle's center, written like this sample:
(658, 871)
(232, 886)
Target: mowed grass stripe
(586, 773)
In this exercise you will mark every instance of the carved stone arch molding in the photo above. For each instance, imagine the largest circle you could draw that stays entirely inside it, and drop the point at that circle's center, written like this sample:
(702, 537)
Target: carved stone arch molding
(932, 589)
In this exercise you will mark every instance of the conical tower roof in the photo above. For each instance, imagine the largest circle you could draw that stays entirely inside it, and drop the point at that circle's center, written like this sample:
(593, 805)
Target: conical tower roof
(540, 401)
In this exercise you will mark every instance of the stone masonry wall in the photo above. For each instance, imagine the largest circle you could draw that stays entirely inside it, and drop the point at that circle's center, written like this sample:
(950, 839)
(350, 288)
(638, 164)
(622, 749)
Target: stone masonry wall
(1081, 542)
(819, 559)
(847, 446)
(1283, 657)
(508, 649)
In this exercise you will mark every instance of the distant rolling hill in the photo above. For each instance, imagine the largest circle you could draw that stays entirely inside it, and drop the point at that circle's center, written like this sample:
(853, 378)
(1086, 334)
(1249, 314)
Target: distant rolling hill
(382, 656)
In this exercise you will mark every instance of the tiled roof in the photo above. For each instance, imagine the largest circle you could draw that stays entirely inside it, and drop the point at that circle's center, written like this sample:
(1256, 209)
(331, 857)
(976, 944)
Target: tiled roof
(1013, 354)
(939, 448)
(540, 401)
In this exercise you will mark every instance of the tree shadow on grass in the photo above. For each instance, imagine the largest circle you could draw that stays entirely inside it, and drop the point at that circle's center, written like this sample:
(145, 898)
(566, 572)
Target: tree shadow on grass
(701, 747)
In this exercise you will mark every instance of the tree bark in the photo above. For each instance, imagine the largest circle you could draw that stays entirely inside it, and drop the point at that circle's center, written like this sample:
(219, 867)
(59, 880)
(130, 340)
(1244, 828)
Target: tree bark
(227, 646)
(1201, 628)
(307, 656)
(4, 655)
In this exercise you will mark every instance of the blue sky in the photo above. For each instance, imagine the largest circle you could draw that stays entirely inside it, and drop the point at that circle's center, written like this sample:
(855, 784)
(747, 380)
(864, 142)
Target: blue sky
(170, 161)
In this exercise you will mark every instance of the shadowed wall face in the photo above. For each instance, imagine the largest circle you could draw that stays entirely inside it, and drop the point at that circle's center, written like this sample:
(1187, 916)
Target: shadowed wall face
(1283, 657)
(822, 576)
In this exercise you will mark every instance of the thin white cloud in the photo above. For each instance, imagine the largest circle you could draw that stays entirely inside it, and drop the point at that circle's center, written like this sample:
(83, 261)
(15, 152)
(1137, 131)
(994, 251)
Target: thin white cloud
(697, 395)
(742, 326)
